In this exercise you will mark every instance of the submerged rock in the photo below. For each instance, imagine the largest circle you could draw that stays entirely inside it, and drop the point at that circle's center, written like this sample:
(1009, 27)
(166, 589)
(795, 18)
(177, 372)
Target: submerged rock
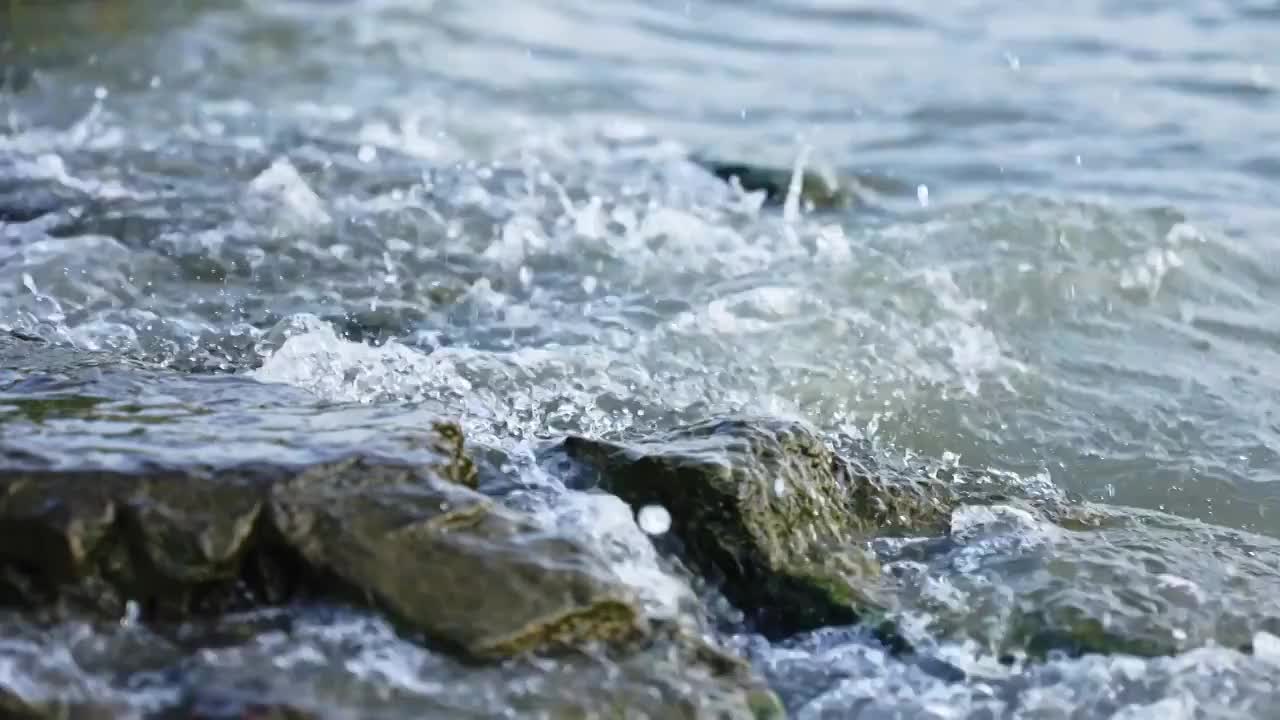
(1125, 581)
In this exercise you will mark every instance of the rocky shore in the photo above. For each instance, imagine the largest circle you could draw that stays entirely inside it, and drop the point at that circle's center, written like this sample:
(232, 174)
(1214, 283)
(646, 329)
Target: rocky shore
(795, 530)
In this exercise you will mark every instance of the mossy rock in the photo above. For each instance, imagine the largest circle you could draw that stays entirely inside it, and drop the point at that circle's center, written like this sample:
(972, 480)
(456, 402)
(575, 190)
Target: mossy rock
(760, 505)
(782, 521)
(817, 191)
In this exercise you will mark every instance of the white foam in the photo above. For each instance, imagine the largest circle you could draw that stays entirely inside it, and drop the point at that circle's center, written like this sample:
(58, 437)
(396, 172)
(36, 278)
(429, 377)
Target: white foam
(284, 189)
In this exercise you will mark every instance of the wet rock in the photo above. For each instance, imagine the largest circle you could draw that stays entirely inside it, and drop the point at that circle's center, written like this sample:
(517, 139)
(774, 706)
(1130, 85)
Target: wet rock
(450, 562)
(762, 506)
(817, 191)
(1111, 580)
(414, 541)
(14, 707)
(766, 508)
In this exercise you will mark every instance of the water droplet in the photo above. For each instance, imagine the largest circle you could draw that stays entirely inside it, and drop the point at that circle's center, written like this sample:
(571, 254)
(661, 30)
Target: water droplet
(779, 487)
(791, 206)
(367, 153)
(131, 614)
(100, 93)
(589, 284)
(654, 519)
(922, 194)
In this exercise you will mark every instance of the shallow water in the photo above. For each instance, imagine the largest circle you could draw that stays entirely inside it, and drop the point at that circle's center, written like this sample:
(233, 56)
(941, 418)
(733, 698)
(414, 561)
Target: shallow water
(1066, 261)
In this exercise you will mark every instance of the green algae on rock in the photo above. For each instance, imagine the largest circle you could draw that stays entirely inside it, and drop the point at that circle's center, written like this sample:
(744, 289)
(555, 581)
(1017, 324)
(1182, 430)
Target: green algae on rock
(817, 191)
(765, 507)
(782, 521)
(761, 505)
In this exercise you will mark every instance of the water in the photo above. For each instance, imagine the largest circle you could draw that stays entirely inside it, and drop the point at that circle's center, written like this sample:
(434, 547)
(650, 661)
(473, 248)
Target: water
(329, 225)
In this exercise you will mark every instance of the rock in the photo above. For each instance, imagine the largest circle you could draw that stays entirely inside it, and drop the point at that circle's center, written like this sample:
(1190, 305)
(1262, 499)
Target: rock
(816, 190)
(14, 707)
(253, 542)
(412, 540)
(451, 562)
(780, 519)
(1112, 580)
(782, 522)
(763, 506)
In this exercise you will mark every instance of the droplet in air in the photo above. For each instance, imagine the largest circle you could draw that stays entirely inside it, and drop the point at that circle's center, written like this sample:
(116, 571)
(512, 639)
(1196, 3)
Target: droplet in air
(131, 614)
(100, 93)
(367, 153)
(654, 519)
(922, 194)
(779, 487)
(791, 206)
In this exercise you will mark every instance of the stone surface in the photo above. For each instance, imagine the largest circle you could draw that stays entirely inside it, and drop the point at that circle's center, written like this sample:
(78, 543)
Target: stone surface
(786, 525)
(451, 562)
(1025, 585)
(414, 541)
(156, 545)
(760, 505)
(816, 191)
